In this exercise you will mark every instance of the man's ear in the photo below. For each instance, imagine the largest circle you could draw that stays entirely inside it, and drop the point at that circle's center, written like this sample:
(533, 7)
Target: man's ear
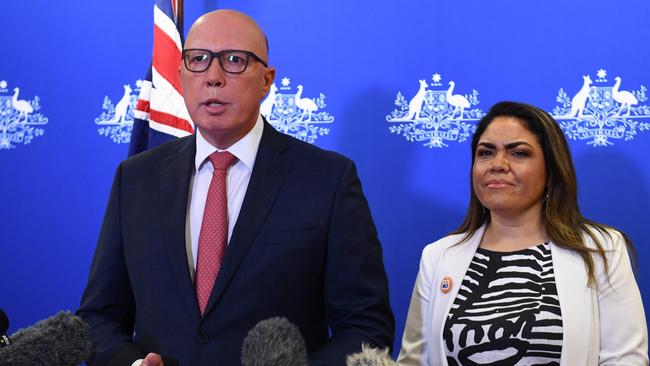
(180, 80)
(269, 76)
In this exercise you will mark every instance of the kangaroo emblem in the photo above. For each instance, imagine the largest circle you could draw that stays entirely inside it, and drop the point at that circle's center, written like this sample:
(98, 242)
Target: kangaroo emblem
(415, 105)
(267, 105)
(580, 99)
(122, 106)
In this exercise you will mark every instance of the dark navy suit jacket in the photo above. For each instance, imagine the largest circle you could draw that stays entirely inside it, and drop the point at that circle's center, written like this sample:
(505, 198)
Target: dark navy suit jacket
(304, 247)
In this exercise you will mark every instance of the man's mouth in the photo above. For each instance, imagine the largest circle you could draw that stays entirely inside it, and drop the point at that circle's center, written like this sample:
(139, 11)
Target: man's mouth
(215, 106)
(213, 101)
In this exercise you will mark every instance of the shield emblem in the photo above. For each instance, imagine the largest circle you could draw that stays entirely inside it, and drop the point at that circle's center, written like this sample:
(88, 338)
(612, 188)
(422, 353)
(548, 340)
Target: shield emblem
(8, 115)
(285, 106)
(435, 102)
(5, 106)
(600, 98)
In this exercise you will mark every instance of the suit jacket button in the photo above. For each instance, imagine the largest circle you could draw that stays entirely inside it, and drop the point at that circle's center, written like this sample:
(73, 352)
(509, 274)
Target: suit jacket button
(202, 338)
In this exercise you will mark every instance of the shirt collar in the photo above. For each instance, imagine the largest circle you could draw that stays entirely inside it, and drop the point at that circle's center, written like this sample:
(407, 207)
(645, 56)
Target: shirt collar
(245, 149)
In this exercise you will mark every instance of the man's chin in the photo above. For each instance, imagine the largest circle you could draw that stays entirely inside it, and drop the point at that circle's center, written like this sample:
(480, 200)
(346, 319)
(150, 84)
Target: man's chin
(220, 136)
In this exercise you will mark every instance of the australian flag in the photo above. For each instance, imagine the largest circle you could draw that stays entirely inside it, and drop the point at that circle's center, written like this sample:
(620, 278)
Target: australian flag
(161, 114)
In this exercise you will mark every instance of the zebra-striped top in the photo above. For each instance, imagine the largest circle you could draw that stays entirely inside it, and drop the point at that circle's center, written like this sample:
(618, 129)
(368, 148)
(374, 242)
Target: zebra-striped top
(506, 312)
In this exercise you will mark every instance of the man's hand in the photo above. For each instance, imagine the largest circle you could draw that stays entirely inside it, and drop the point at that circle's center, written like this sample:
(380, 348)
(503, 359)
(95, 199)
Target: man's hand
(152, 359)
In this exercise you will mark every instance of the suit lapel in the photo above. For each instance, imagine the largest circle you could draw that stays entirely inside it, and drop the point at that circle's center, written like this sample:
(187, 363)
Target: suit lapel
(175, 175)
(272, 164)
(453, 263)
(575, 306)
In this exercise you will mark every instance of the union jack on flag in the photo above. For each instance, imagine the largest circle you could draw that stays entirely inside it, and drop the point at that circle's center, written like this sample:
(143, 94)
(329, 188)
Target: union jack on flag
(161, 114)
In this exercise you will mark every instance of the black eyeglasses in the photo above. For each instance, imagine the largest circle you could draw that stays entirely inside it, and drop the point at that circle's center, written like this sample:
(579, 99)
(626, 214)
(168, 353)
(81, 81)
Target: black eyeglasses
(231, 61)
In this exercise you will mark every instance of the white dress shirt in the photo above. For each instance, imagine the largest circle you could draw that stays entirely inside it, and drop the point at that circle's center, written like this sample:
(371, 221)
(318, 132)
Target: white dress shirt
(245, 150)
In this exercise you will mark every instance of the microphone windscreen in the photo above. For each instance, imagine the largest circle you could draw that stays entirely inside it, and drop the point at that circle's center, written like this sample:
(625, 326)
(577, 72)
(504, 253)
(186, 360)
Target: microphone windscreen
(370, 357)
(61, 340)
(274, 342)
(4, 322)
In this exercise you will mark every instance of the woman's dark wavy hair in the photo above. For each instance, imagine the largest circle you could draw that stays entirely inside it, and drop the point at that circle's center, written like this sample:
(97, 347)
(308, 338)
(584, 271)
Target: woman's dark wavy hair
(564, 223)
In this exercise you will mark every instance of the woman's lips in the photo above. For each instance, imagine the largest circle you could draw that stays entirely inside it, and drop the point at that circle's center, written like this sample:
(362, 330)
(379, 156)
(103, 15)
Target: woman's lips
(498, 183)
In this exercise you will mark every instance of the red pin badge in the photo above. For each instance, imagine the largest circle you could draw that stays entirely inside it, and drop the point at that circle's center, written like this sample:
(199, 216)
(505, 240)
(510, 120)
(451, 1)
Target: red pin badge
(446, 284)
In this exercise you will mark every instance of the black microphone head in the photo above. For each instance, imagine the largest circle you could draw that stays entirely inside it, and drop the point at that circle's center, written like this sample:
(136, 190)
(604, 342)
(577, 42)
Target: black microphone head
(4, 325)
(4, 322)
(370, 357)
(274, 342)
(61, 340)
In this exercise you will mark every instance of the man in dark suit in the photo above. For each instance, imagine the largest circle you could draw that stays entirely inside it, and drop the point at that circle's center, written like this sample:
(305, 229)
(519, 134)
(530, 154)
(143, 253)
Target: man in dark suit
(301, 242)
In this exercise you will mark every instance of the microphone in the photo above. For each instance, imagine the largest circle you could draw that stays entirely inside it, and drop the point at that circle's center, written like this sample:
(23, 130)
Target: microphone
(370, 357)
(274, 342)
(4, 325)
(60, 340)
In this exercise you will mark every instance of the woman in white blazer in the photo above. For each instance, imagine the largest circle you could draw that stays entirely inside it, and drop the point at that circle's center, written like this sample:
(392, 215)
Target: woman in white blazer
(526, 279)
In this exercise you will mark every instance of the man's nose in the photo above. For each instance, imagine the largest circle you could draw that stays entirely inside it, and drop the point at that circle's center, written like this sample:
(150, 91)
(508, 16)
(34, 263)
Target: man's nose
(214, 75)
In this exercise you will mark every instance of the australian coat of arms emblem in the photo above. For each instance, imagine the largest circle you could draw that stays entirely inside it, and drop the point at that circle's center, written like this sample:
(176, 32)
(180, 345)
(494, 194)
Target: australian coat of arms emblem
(294, 114)
(19, 120)
(601, 112)
(435, 116)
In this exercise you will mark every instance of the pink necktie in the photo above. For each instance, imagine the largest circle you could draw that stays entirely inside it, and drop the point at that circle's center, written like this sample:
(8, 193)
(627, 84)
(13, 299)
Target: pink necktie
(214, 228)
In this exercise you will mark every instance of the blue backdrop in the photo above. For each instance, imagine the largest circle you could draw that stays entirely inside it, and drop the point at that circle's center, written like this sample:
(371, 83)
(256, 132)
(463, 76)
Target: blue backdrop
(362, 63)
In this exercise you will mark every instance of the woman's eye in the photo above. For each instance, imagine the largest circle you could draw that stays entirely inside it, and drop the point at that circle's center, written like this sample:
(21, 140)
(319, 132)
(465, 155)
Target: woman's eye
(483, 153)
